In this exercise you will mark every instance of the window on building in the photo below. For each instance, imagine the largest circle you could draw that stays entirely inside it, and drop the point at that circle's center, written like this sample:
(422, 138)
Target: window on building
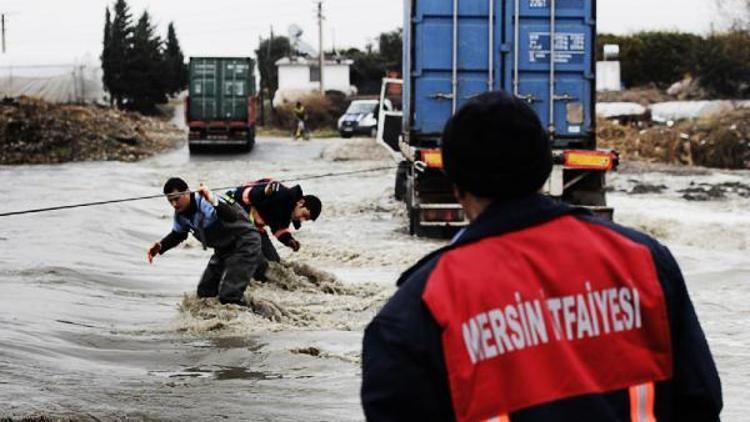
(314, 73)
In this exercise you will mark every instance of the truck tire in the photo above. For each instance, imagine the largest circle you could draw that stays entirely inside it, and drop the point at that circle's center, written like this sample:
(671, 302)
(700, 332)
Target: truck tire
(414, 229)
(345, 135)
(250, 141)
(411, 212)
(399, 191)
(195, 149)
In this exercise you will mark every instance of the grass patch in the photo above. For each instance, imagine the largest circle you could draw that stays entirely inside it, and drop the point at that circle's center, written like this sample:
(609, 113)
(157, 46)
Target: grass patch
(282, 133)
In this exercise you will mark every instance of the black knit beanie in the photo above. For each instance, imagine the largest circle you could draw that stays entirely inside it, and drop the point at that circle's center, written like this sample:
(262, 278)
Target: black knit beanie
(495, 147)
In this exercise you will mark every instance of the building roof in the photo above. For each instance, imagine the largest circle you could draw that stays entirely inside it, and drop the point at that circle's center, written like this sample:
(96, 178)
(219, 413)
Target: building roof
(304, 61)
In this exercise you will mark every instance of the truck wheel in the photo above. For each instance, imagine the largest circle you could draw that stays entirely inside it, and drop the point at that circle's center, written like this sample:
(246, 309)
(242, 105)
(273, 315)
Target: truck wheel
(194, 149)
(400, 186)
(413, 222)
(250, 141)
(345, 135)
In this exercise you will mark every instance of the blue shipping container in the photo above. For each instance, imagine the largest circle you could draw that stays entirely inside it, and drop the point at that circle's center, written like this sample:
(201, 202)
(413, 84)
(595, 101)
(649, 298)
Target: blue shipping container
(456, 49)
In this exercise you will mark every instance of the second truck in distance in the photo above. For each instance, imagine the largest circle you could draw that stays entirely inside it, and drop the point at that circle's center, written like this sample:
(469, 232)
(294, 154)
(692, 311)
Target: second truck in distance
(220, 108)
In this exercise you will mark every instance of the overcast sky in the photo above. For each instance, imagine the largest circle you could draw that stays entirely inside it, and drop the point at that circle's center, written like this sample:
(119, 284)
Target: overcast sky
(65, 31)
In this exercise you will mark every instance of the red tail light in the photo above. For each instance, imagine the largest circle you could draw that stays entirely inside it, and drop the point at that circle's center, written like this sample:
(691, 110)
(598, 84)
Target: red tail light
(433, 158)
(590, 160)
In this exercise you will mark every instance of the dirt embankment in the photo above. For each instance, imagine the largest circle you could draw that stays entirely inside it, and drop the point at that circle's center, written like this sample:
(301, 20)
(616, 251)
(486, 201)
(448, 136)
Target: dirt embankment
(644, 96)
(720, 141)
(35, 132)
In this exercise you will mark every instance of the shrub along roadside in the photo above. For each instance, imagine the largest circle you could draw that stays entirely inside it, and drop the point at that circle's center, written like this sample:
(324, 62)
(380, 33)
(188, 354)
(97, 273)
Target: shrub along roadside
(721, 62)
(322, 111)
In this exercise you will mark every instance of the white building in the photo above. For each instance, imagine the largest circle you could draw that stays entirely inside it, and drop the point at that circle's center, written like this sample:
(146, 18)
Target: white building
(299, 76)
(608, 76)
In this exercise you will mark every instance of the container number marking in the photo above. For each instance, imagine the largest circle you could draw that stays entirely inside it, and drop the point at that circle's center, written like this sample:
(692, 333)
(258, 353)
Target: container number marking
(570, 47)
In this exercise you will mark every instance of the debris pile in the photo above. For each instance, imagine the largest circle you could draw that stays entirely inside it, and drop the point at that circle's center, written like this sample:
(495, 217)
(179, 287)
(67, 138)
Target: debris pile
(709, 192)
(719, 141)
(36, 132)
(642, 95)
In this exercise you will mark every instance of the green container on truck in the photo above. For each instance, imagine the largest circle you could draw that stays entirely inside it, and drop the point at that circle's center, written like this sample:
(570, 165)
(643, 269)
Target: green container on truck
(220, 108)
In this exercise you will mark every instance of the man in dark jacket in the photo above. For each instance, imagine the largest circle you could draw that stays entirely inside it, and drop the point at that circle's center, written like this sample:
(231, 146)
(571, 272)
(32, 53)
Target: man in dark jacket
(221, 226)
(538, 311)
(268, 203)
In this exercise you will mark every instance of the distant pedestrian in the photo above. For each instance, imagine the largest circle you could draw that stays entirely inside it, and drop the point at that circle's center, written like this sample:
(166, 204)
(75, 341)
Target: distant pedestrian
(269, 203)
(218, 225)
(538, 311)
(300, 122)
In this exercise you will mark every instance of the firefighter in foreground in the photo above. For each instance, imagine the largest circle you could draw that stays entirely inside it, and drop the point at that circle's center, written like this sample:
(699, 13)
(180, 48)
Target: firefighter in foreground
(538, 311)
(221, 226)
(269, 203)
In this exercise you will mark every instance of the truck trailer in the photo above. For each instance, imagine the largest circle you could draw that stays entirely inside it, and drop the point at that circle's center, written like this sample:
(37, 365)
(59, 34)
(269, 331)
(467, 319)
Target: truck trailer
(220, 108)
(454, 50)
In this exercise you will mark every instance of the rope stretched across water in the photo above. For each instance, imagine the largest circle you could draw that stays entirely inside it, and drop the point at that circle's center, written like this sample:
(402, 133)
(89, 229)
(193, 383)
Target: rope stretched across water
(141, 198)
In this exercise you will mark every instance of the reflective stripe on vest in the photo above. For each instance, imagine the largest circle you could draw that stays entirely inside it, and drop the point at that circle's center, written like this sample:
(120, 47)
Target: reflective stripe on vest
(501, 418)
(642, 403)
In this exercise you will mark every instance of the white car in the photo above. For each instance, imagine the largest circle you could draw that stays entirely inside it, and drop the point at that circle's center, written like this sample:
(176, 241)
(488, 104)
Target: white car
(361, 118)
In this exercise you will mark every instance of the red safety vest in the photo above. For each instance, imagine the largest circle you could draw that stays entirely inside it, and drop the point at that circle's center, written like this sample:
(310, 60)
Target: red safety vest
(523, 324)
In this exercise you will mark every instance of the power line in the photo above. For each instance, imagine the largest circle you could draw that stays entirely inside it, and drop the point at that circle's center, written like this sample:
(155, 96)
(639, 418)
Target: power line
(140, 198)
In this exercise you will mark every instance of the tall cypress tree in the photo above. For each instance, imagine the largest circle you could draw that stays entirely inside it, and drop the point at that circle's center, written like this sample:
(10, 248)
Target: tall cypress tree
(145, 80)
(121, 46)
(106, 53)
(175, 70)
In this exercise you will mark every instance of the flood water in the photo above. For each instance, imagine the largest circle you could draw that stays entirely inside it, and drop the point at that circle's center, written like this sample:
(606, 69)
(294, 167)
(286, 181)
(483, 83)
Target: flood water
(90, 331)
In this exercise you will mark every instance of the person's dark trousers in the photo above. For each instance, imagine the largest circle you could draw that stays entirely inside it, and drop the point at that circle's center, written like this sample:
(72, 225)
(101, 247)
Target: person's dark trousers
(269, 251)
(229, 271)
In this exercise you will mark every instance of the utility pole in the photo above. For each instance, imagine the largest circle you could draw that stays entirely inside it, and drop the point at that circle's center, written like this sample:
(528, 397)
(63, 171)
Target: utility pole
(81, 77)
(321, 51)
(269, 70)
(261, 84)
(3, 30)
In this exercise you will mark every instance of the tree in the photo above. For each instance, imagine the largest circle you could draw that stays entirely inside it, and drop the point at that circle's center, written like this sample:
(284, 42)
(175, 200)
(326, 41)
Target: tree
(120, 49)
(390, 47)
(146, 85)
(367, 70)
(371, 66)
(106, 54)
(724, 64)
(659, 58)
(175, 71)
(269, 51)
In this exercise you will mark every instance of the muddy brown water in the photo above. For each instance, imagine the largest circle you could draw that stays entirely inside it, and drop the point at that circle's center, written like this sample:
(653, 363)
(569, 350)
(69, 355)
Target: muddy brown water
(90, 331)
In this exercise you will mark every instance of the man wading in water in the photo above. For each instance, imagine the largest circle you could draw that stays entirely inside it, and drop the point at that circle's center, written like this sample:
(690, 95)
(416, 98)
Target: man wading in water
(269, 203)
(221, 226)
